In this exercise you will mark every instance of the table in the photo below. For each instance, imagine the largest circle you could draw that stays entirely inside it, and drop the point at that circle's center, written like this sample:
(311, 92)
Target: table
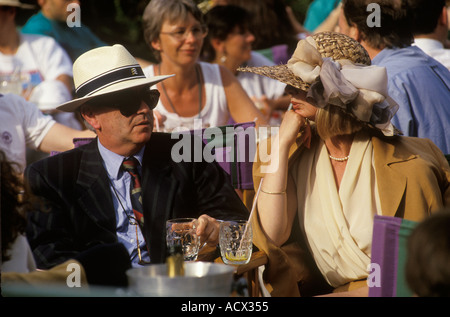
(250, 270)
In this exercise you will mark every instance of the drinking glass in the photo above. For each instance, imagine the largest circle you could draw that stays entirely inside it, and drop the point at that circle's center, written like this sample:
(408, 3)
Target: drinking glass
(182, 231)
(236, 242)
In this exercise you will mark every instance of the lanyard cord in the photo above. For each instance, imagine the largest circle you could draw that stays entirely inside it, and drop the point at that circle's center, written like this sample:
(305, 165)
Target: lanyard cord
(132, 220)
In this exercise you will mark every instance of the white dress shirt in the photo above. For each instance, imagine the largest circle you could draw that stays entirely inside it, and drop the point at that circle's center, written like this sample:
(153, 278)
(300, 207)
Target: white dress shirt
(435, 49)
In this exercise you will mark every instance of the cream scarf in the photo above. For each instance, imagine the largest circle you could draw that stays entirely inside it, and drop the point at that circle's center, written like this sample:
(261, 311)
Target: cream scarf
(338, 224)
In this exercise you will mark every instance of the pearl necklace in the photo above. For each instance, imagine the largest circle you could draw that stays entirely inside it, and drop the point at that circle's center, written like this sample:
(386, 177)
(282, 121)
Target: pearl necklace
(339, 159)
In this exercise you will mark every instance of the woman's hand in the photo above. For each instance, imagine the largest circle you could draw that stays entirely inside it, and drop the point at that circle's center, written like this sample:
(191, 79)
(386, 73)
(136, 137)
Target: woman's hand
(290, 126)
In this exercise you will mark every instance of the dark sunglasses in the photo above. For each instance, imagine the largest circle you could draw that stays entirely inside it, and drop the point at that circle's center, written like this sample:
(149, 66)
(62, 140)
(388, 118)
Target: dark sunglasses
(128, 102)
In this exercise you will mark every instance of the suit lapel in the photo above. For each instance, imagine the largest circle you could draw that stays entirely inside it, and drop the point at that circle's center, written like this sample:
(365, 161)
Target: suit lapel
(95, 197)
(391, 184)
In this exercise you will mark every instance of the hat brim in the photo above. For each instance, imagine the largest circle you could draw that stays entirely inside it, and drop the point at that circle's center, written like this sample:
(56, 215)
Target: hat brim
(73, 105)
(278, 72)
(283, 74)
(19, 5)
(27, 6)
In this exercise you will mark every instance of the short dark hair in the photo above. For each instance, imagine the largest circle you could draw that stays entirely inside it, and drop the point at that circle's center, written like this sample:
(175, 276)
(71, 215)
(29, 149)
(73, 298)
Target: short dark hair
(424, 15)
(221, 20)
(428, 256)
(395, 29)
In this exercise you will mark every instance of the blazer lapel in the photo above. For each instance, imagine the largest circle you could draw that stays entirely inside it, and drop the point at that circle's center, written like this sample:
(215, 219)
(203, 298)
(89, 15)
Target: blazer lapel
(159, 190)
(391, 184)
(95, 195)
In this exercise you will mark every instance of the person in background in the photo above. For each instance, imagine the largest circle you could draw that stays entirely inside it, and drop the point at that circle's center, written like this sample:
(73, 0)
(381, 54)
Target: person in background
(417, 82)
(336, 162)
(34, 66)
(318, 12)
(430, 28)
(229, 43)
(16, 253)
(428, 254)
(23, 126)
(272, 27)
(175, 31)
(91, 192)
(51, 20)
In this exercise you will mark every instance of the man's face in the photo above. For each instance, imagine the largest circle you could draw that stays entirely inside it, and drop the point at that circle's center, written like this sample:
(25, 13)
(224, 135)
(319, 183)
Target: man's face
(57, 9)
(123, 121)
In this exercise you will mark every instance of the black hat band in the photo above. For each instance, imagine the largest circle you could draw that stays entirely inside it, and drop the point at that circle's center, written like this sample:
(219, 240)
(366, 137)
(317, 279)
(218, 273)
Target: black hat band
(110, 78)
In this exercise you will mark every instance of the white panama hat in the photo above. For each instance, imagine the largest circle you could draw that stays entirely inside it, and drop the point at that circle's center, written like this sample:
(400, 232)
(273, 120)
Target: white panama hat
(16, 3)
(105, 70)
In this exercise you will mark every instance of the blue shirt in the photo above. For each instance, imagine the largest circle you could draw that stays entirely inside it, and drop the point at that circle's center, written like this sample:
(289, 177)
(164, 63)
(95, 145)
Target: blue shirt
(421, 87)
(318, 11)
(120, 189)
(75, 40)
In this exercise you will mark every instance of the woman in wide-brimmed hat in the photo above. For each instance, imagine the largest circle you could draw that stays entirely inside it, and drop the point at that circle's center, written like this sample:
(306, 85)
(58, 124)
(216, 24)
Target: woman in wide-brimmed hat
(336, 162)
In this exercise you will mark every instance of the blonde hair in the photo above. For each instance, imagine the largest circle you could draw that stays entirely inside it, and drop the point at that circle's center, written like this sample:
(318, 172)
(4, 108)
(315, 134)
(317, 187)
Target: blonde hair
(332, 121)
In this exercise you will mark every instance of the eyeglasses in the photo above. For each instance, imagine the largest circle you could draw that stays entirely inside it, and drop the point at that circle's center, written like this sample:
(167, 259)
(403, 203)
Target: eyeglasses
(128, 102)
(199, 32)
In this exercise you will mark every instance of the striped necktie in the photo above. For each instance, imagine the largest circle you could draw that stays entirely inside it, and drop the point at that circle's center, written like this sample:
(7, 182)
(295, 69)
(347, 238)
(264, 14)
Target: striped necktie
(130, 165)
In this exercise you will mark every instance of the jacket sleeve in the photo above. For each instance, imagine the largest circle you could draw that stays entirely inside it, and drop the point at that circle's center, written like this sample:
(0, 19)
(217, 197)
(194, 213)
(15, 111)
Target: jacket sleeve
(215, 194)
(48, 224)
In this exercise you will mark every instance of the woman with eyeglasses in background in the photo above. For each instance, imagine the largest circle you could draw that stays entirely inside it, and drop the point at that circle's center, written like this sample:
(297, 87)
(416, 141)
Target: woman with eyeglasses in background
(175, 31)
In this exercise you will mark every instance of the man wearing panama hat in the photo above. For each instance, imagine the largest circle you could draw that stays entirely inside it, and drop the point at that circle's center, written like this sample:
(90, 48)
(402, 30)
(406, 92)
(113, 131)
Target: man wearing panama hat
(88, 190)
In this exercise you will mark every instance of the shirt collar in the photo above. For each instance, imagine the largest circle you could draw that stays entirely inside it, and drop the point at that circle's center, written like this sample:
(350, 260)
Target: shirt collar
(428, 44)
(113, 161)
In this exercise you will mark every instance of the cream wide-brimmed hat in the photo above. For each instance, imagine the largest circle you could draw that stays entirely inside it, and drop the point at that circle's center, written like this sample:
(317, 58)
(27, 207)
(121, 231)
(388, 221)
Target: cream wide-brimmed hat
(106, 70)
(334, 69)
(329, 44)
(16, 3)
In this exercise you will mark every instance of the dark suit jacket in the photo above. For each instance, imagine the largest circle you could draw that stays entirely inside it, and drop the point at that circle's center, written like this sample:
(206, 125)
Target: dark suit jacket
(75, 189)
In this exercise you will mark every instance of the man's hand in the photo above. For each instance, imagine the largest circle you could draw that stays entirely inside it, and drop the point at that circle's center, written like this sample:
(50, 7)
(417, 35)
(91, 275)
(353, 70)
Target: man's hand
(208, 230)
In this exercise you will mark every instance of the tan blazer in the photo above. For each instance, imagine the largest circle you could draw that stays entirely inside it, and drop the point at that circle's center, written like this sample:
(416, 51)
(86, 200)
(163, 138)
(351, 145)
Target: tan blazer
(413, 181)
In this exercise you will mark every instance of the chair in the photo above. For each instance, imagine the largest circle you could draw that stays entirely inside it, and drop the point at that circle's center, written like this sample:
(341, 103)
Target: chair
(234, 151)
(81, 141)
(76, 142)
(387, 277)
(278, 54)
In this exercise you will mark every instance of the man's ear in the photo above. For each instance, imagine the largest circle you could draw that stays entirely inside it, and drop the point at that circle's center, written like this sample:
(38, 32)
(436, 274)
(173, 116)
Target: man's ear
(89, 116)
(443, 18)
(355, 33)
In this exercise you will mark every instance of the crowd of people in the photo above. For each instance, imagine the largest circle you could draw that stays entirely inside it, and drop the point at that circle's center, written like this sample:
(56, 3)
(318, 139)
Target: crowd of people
(363, 118)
